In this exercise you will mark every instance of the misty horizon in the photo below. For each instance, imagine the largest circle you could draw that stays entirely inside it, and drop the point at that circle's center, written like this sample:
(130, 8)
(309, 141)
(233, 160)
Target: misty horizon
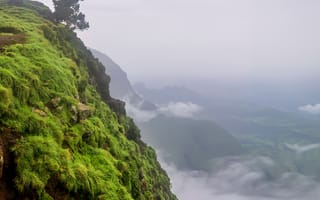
(211, 40)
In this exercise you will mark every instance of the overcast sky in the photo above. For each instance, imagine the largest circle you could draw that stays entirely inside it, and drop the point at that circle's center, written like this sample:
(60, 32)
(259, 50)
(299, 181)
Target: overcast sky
(179, 39)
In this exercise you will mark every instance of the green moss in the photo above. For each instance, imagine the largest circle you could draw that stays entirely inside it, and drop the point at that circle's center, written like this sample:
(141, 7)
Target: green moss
(5, 99)
(85, 156)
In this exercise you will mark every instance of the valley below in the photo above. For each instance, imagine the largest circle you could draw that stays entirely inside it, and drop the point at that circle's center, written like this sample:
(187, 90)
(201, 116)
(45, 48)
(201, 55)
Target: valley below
(224, 147)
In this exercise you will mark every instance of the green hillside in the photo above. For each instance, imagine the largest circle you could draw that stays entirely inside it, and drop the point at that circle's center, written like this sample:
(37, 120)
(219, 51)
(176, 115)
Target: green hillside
(61, 134)
(189, 143)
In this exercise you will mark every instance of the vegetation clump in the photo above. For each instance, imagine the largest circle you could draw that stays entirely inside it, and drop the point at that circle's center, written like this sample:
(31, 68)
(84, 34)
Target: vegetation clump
(68, 12)
(69, 141)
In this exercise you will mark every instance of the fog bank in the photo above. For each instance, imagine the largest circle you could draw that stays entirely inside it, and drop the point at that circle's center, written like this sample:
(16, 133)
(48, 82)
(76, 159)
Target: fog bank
(172, 109)
(244, 179)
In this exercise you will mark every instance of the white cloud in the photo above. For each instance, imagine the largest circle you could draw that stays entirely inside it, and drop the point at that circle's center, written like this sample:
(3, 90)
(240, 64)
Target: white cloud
(241, 179)
(138, 114)
(180, 109)
(312, 109)
(173, 109)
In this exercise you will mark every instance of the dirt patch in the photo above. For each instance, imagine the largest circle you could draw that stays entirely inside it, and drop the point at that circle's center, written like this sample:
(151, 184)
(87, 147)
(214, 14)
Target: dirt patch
(7, 40)
(10, 36)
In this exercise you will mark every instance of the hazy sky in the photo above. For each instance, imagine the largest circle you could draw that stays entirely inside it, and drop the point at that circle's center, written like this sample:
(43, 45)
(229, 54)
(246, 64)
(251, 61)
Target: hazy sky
(176, 39)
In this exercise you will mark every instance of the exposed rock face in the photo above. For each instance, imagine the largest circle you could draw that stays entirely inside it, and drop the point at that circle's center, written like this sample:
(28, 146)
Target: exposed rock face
(117, 106)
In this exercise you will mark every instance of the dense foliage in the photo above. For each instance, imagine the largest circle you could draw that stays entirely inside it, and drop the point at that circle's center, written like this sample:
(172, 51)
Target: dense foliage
(68, 12)
(54, 101)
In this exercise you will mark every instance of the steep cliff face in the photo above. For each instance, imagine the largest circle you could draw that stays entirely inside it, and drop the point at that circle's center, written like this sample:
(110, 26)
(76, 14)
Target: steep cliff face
(61, 134)
(120, 86)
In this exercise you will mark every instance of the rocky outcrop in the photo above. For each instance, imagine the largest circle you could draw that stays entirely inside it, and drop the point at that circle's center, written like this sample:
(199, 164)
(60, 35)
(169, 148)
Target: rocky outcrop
(84, 111)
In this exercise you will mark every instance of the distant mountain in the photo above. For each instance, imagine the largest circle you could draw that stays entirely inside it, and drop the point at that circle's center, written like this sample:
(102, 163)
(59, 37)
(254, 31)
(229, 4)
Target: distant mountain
(241, 118)
(120, 86)
(189, 143)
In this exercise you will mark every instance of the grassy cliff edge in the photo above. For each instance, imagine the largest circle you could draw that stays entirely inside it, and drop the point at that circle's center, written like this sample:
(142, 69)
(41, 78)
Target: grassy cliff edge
(61, 134)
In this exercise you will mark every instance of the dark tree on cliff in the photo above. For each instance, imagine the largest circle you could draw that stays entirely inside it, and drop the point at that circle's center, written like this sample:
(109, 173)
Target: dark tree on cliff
(68, 12)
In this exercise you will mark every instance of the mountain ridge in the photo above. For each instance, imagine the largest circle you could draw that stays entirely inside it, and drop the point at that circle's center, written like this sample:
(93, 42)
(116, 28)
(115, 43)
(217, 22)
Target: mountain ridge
(120, 86)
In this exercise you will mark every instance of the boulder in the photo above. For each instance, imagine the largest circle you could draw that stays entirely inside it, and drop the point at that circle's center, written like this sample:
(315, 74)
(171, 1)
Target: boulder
(84, 111)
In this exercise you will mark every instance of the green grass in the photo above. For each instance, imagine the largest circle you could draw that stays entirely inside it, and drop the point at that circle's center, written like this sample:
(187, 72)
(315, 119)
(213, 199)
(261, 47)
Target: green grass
(42, 82)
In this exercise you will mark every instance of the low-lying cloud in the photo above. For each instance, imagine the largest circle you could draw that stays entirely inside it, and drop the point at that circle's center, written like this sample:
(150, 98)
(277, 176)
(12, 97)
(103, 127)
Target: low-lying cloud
(242, 179)
(181, 109)
(311, 109)
(302, 148)
(139, 114)
(172, 109)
